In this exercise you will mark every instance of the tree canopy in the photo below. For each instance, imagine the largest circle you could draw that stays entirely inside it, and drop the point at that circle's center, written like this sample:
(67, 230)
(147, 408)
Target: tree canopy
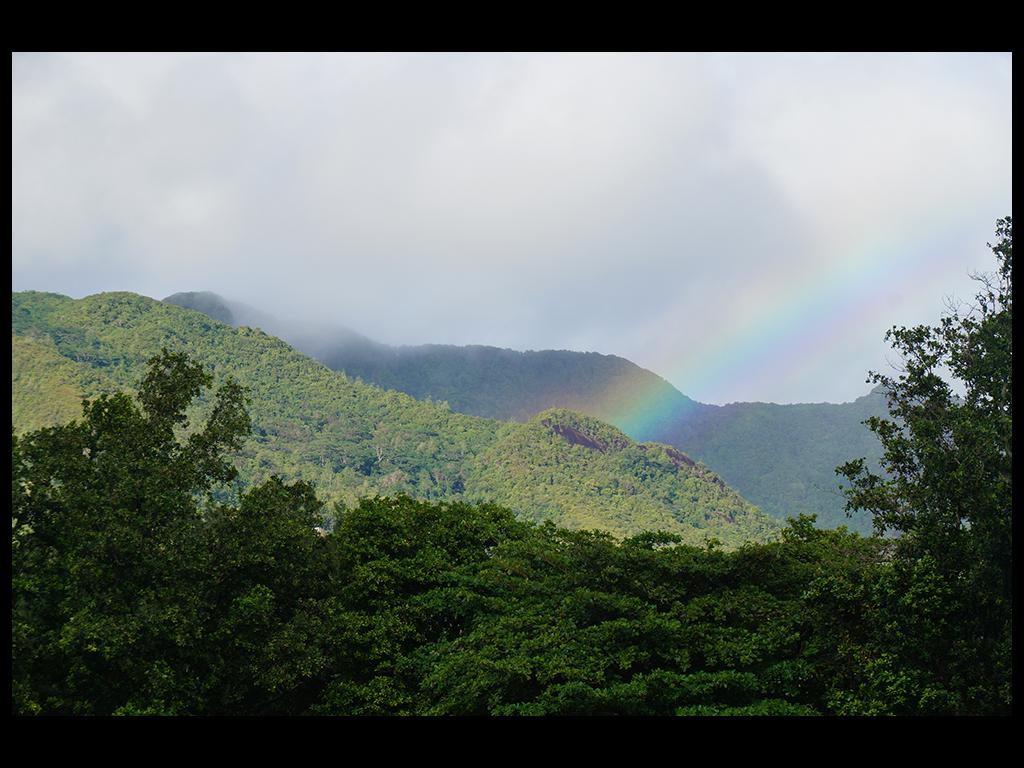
(133, 590)
(947, 492)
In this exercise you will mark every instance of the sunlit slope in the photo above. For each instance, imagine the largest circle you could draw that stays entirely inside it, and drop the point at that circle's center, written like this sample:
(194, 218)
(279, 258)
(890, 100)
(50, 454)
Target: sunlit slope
(45, 387)
(561, 461)
(356, 440)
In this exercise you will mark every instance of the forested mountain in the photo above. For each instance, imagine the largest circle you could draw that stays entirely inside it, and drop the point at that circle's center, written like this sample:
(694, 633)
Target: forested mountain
(354, 440)
(781, 457)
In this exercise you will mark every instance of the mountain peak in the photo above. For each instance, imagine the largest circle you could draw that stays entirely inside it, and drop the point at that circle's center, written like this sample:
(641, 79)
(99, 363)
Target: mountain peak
(203, 301)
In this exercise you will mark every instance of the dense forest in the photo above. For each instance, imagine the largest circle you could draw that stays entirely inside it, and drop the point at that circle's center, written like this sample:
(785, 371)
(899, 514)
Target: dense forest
(145, 580)
(780, 457)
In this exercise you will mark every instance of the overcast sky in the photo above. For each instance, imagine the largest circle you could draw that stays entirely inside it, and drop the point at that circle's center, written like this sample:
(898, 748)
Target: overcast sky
(747, 226)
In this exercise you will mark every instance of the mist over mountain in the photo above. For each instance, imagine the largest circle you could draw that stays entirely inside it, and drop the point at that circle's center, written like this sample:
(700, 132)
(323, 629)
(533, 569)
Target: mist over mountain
(239, 314)
(781, 457)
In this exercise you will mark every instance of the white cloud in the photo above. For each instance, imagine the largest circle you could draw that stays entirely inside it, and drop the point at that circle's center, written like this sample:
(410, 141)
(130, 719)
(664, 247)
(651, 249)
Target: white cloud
(604, 202)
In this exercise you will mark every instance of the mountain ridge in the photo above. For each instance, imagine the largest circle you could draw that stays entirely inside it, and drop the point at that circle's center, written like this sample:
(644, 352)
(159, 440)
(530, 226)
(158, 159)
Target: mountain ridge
(780, 456)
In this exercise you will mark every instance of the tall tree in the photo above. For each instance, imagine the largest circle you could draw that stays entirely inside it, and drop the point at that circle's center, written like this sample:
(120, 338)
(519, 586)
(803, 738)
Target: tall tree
(946, 605)
(104, 512)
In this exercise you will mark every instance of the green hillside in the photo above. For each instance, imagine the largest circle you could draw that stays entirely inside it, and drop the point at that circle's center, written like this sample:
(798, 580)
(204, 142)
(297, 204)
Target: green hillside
(44, 384)
(559, 462)
(354, 440)
(781, 457)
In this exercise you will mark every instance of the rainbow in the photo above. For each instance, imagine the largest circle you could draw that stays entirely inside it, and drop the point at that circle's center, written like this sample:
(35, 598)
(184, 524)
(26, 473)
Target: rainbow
(788, 333)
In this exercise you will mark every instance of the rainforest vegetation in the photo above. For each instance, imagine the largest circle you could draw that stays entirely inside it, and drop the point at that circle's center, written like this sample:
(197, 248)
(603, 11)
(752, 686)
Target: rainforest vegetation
(157, 570)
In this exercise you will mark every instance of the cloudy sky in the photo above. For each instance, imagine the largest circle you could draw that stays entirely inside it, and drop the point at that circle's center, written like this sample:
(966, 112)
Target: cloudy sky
(747, 226)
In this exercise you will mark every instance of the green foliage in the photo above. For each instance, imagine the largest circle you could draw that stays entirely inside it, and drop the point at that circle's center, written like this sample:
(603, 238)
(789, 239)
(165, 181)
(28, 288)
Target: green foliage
(130, 593)
(946, 604)
(491, 616)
